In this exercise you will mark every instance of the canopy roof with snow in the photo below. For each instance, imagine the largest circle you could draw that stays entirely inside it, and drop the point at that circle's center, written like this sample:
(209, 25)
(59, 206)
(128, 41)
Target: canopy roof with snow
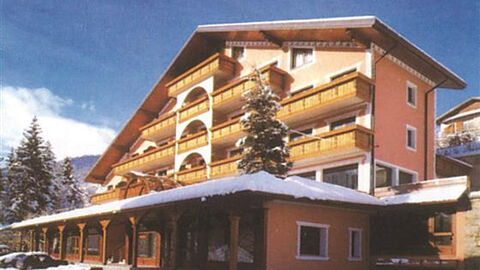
(264, 183)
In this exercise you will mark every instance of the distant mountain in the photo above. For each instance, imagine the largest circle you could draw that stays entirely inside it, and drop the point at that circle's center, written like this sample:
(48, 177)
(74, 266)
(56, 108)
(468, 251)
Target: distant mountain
(81, 166)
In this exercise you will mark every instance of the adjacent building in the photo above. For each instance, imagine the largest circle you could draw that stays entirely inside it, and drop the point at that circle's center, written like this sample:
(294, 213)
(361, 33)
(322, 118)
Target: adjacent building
(359, 99)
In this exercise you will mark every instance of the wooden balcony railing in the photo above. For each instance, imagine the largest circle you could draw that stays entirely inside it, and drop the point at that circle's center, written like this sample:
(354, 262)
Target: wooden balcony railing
(229, 96)
(147, 161)
(193, 175)
(110, 195)
(163, 127)
(227, 132)
(193, 141)
(342, 141)
(217, 64)
(195, 108)
(349, 90)
(225, 167)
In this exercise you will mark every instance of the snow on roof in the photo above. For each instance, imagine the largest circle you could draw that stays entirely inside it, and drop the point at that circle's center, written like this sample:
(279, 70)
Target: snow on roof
(436, 191)
(296, 187)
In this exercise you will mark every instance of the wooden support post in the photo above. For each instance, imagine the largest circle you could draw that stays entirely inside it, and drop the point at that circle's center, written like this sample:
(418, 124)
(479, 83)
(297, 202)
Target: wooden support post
(61, 229)
(104, 224)
(20, 241)
(31, 240)
(233, 250)
(134, 222)
(45, 239)
(81, 244)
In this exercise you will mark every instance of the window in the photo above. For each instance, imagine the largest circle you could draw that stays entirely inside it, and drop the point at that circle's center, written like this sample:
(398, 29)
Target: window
(301, 57)
(72, 244)
(343, 123)
(383, 176)
(309, 175)
(147, 245)
(442, 229)
(405, 178)
(355, 248)
(300, 91)
(411, 94)
(312, 241)
(93, 244)
(296, 136)
(411, 138)
(346, 176)
(238, 52)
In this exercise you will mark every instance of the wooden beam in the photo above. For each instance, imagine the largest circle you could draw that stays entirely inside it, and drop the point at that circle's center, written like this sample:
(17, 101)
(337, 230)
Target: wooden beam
(271, 38)
(81, 244)
(120, 148)
(173, 239)
(31, 234)
(20, 241)
(134, 220)
(356, 36)
(61, 229)
(104, 224)
(233, 249)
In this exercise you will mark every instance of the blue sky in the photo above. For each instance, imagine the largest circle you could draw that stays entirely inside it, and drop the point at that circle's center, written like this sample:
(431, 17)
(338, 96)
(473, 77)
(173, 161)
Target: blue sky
(91, 55)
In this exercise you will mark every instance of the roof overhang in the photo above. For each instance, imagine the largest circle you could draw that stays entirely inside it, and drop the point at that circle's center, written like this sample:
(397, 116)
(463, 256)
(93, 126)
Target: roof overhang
(450, 114)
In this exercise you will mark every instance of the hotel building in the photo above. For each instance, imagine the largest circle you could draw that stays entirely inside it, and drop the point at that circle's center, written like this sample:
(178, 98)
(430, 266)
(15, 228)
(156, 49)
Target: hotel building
(364, 99)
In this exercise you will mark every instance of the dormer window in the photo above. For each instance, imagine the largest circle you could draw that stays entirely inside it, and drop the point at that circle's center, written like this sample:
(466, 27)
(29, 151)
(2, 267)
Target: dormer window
(301, 57)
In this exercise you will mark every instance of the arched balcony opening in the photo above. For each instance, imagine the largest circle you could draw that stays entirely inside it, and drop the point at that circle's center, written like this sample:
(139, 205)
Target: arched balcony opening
(193, 160)
(193, 128)
(194, 95)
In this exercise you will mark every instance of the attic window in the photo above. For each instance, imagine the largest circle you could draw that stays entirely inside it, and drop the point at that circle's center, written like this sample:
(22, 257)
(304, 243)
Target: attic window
(301, 57)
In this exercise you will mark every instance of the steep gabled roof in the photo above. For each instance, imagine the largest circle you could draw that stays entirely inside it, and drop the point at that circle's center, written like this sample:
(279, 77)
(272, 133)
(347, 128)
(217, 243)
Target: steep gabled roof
(208, 39)
(456, 109)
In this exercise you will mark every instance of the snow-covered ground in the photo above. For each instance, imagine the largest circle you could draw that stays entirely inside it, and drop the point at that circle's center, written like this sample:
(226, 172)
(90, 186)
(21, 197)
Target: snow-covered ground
(62, 267)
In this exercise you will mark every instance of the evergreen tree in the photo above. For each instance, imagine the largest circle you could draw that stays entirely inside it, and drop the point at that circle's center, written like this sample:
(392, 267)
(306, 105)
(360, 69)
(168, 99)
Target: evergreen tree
(3, 192)
(73, 195)
(264, 147)
(36, 163)
(18, 192)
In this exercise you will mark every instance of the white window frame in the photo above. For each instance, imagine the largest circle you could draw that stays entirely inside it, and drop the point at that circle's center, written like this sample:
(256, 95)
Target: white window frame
(413, 173)
(244, 52)
(415, 92)
(290, 57)
(356, 67)
(310, 257)
(407, 129)
(359, 230)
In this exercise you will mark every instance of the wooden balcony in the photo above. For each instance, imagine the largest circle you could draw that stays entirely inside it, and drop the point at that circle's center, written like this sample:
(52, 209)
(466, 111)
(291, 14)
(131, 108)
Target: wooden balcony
(195, 108)
(225, 167)
(160, 128)
(107, 196)
(147, 161)
(349, 90)
(218, 65)
(229, 97)
(345, 141)
(192, 176)
(227, 133)
(193, 141)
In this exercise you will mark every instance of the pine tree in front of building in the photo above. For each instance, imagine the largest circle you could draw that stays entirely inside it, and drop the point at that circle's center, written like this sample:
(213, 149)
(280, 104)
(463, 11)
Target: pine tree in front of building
(17, 191)
(73, 195)
(264, 147)
(36, 163)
